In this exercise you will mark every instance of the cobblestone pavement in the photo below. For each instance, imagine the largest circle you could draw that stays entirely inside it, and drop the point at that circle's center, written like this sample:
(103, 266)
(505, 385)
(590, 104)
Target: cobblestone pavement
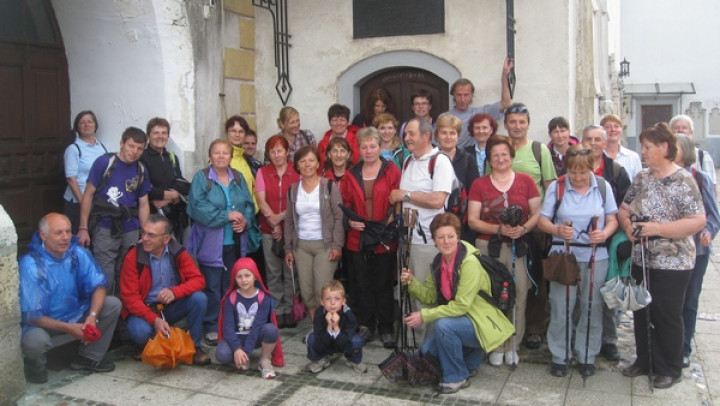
(134, 383)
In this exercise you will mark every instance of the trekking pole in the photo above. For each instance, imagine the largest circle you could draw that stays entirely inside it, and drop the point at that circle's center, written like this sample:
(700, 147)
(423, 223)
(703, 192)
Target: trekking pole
(567, 307)
(593, 227)
(646, 278)
(514, 336)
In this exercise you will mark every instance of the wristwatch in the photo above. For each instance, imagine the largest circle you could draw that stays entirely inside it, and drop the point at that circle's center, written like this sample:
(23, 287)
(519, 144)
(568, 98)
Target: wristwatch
(406, 198)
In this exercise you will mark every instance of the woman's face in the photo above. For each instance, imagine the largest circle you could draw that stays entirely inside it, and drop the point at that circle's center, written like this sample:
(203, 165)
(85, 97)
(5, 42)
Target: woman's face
(560, 136)
(369, 151)
(236, 135)
(447, 137)
(292, 125)
(653, 154)
(579, 177)
(308, 166)
(500, 158)
(387, 131)
(482, 131)
(86, 126)
(338, 125)
(158, 137)
(220, 156)
(278, 156)
(379, 107)
(613, 130)
(339, 156)
(446, 240)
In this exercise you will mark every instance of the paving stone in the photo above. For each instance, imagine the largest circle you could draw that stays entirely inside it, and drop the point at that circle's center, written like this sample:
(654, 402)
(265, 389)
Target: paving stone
(311, 396)
(588, 397)
(188, 377)
(536, 395)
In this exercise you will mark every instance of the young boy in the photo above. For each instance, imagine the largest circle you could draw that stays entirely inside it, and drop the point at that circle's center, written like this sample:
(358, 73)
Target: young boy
(334, 328)
(247, 321)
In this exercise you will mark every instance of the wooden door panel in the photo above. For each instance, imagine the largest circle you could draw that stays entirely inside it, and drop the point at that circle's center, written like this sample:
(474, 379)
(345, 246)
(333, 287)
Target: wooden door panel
(12, 125)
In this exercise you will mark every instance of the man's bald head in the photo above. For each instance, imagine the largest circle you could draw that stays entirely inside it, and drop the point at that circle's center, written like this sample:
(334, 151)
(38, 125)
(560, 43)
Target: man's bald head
(55, 233)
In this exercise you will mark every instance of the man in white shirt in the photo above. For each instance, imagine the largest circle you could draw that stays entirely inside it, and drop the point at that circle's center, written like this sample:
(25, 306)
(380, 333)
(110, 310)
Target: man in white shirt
(629, 159)
(683, 124)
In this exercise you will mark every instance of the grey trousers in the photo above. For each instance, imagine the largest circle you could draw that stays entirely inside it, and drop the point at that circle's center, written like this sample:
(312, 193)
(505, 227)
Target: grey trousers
(109, 253)
(277, 277)
(36, 342)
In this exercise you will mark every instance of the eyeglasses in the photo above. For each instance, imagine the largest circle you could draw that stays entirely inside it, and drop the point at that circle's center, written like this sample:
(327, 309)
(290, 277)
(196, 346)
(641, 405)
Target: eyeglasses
(517, 109)
(424, 103)
(583, 152)
(150, 235)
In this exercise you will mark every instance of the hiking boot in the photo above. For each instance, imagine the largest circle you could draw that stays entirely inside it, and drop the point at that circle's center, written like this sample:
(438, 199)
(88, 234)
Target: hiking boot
(266, 368)
(35, 371)
(365, 333)
(82, 363)
(317, 366)
(452, 387)
(586, 369)
(558, 370)
(610, 352)
(211, 338)
(201, 357)
(686, 361)
(533, 341)
(359, 367)
(387, 340)
(633, 370)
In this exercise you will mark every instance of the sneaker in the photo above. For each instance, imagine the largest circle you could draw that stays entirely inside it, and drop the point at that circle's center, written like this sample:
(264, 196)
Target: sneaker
(472, 372)
(243, 367)
(452, 387)
(512, 358)
(266, 368)
(35, 371)
(610, 352)
(282, 321)
(496, 358)
(558, 370)
(586, 369)
(533, 341)
(289, 322)
(686, 361)
(387, 340)
(359, 367)
(211, 338)
(201, 357)
(317, 366)
(80, 363)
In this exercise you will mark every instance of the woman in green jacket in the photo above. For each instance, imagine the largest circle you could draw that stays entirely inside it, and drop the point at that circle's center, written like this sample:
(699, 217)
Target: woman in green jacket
(465, 325)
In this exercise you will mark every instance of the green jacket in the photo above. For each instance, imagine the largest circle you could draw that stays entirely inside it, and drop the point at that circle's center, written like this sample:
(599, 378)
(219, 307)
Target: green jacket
(492, 328)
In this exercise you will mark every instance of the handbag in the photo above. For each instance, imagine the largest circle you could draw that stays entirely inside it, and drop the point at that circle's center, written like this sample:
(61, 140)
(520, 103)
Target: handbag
(562, 267)
(298, 310)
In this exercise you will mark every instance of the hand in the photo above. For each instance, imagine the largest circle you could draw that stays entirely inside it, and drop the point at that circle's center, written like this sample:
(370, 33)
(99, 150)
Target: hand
(597, 237)
(277, 233)
(649, 229)
(289, 259)
(397, 195)
(83, 237)
(357, 225)
(161, 326)
(508, 65)
(275, 219)
(565, 232)
(414, 319)
(240, 358)
(159, 204)
(512, 232)
(705, 239)
(406, 276)
(166, 296)
(335, 319)
(334, 255)
(76, 330)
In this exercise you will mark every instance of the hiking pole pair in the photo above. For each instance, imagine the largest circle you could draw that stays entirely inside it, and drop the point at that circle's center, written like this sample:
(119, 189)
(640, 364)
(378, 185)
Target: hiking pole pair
(567, 307)
(593, 226)
(646, 278)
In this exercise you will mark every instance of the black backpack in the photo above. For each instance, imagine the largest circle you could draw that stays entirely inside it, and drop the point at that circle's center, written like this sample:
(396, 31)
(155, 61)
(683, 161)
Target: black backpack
(499, 276)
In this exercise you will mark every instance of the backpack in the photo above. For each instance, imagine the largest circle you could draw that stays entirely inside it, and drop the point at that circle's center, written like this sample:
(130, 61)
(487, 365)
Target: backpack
(209, 183)
(601, 182)
(80, 151)
(697, 178)
(500, 278)
(457, 200)
(111, 167)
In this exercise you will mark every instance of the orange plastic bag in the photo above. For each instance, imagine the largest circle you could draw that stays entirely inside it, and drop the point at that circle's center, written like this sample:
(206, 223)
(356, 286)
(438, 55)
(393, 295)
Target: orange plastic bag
(167, 352)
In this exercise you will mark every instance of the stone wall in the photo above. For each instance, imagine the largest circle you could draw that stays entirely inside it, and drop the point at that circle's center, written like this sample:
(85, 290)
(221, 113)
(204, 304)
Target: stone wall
(12, 381)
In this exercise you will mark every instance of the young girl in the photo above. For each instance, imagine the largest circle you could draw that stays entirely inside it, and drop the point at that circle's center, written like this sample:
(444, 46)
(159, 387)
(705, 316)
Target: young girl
(247, 321)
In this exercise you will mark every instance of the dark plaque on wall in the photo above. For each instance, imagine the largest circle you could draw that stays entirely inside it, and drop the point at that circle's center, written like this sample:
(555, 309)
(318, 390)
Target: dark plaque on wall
(384, 18)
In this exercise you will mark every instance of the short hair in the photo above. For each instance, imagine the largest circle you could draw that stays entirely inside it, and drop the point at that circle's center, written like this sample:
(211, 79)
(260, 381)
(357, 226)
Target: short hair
(499, 140)
(610, 117)
(334, 141)
(462, 82)
(305, 150)
(423, 126)
(687, 148)
(286, 113)
(556, 122)
(479, 118)
(421, 93)
(384, 118)
(338, 110)
(592, 127)
(683, 117)
(333, 285)
(661, 133)
(157, 122)
(239, 120)
(517, 108)
(43, 223)
(251, 133)
(156, 218)
(445, 219)
(80, 115)
(448, 120)
(380, 94)
(275, 141)
(222, 141)
(367, 134)
(135, 134)
(577, 156)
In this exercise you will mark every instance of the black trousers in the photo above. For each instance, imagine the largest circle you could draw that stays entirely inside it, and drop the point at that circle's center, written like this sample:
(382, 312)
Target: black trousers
(374, 277)
(667, 288)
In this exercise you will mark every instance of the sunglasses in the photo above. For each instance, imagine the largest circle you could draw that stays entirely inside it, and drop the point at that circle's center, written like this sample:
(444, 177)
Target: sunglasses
(516, 110)
(583, 152)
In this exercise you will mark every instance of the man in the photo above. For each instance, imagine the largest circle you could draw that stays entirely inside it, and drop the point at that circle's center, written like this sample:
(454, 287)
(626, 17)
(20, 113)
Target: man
(595, 138)
(117, 195)
(421, 104)
(629, 159)
(423, 191)
(683, 124)
(62, 290)
(250, 144)
(156, 272)
(534, 159)
(463, 92)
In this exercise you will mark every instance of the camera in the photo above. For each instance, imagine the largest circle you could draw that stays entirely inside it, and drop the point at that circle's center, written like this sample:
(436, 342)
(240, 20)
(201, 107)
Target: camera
(636, 218)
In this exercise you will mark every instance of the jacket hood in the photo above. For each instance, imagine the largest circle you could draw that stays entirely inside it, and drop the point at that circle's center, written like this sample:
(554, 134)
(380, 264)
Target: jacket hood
(249, 264)
(36, 245)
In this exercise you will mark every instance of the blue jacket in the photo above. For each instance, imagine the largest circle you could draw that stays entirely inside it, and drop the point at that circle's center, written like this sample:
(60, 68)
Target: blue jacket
(59, 288)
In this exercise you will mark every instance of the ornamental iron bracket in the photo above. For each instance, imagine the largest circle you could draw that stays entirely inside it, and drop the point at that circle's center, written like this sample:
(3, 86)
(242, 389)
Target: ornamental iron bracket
(510, 41)
(278, 10)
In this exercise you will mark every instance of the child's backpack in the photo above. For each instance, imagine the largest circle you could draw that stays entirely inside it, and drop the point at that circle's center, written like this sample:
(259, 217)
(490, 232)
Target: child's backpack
(502, 284)
(457, 200)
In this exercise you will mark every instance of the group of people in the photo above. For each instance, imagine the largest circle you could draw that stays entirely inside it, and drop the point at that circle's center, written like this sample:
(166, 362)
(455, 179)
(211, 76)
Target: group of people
(250, 227)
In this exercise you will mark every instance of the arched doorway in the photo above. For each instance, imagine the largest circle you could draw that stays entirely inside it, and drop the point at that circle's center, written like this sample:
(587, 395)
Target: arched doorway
(34, 112)
(402, 83)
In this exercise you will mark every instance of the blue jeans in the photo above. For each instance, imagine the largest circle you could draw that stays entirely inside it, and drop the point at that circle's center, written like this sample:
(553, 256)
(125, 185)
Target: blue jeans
(217, 282)
(268, 335)
(353, 352)
(692, 297)
(453, 342)
(193, 307)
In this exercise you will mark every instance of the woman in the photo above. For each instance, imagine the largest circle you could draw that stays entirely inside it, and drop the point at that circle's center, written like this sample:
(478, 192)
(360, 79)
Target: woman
(338, 159)
(314, 233)
(580, 202)
(488, 198)
(366, 191)
(236, 128)
(273, 182)
(686, 158)
(391, 146)
(465, 325)
(561, 140)
(220, 206)
(481, 126)
(377, 102)
(169, 188)
(338, 118)
(668, 195)
(79, 157)
(289, 123)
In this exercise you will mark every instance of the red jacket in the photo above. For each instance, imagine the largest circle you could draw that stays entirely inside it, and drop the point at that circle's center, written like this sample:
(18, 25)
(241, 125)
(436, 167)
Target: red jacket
(353, 194)
(135, 285)
(351, 139)
(276, 191)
